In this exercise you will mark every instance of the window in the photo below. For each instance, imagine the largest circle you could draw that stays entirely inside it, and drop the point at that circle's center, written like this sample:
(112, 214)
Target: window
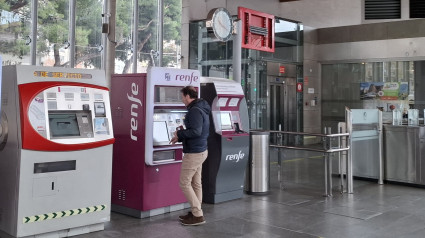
(146, 48)
(417, 9)
(15, 30)
(88, 34)
(342, 86)
(382, 9)
(53, 48)
(58, 42)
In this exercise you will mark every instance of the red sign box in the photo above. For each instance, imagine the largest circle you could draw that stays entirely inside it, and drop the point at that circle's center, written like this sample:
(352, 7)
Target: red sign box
(299, 87)
(257, 30)
(282, 69)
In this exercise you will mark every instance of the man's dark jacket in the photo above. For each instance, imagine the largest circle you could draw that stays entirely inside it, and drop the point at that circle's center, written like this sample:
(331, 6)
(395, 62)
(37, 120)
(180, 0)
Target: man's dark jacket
(197, 122)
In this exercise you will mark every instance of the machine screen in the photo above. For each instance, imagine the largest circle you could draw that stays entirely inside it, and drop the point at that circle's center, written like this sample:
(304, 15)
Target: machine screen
(164, 94)
(99, 109)
(160, 133)
(226, 123)
(63, 125)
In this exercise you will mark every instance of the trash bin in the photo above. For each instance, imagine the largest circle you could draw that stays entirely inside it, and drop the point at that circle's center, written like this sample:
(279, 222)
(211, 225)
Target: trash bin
(257, 177)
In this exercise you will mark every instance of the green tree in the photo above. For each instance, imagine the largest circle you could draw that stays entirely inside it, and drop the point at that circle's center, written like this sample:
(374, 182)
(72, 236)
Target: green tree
(3, 6)
(53, 29)
(16, 14)
(88, 32)
(147, 28)
(53, 16)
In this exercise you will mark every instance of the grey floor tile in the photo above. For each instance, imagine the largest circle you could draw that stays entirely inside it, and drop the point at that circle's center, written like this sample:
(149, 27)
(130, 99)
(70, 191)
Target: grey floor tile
(297, 211)
(354, 213)
(338, 227)
(236, 227)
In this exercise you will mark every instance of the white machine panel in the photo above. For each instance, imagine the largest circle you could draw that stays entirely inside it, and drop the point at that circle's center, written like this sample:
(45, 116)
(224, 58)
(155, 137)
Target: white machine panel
(74, 114)
(55, 150)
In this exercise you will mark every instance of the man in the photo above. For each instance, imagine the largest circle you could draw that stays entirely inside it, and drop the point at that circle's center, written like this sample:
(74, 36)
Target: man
(194, 139)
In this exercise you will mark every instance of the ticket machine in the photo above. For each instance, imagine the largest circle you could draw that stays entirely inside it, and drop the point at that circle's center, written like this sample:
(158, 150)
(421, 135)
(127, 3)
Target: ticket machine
(55, 152)
(228, 142)
(147, 110)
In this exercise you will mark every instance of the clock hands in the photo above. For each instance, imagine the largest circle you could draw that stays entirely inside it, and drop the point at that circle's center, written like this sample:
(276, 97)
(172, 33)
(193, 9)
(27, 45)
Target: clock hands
(222, 25)
(220, 21)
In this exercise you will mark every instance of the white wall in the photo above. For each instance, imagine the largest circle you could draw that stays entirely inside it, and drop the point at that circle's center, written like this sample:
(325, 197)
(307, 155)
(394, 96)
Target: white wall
(327, 13)
(406, 49)
(332, 13)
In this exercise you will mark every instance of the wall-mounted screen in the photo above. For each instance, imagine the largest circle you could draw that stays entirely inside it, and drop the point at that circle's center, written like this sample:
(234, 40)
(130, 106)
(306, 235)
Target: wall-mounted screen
(226, 122)
(160, 133)
(63, 125)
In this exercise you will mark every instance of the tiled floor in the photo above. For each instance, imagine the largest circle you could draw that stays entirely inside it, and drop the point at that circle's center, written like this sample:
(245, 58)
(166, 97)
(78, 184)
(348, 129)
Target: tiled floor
(299, 210)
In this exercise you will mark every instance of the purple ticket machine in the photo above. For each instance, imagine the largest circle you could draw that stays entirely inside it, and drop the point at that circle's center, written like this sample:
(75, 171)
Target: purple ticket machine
(147, 111)
(228, 143)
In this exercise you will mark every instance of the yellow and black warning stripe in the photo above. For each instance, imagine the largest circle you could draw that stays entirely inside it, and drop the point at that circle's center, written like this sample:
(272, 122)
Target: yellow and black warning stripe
(67, 213)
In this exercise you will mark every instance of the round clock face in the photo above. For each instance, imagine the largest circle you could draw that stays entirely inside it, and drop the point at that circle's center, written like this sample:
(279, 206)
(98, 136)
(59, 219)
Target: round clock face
(222, 24)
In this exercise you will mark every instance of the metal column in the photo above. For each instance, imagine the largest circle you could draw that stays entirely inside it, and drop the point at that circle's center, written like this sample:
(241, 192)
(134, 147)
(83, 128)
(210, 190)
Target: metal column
(135, 34)
(34, 18)
(237, 52)
(327, 163)
(71, 36)
(110, 49)
(349, 122)
(381, 149)
(342, 155)
(160, 31)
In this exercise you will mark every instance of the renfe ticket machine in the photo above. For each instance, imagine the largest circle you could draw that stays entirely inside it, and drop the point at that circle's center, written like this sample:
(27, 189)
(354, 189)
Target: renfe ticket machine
(147, 110)
(55, 152)
(228, 142)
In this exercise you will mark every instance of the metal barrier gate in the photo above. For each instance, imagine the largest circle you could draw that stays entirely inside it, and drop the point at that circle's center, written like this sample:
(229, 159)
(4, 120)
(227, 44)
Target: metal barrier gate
(327, 149)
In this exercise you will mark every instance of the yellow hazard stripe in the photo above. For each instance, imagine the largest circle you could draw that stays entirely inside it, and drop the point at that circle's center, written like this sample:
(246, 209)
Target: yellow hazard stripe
(60, 214)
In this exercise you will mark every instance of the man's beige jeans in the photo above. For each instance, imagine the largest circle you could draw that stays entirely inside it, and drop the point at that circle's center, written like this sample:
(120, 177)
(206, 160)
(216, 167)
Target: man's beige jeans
(191, 180)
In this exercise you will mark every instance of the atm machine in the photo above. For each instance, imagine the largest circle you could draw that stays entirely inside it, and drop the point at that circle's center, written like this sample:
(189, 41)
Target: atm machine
(55, 152)
(147, 110)
(228, 142)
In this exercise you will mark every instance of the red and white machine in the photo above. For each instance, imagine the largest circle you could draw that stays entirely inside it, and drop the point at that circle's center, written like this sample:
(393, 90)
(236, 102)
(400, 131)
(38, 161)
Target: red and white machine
(55, 152)
(147, 109)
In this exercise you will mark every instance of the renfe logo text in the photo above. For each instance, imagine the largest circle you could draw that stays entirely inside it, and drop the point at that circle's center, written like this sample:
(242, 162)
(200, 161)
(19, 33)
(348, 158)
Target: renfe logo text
(235, 157)
(188, 78)
(134, 107)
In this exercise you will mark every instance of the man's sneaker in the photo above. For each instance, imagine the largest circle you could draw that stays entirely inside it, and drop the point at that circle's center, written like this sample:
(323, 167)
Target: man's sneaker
(183, 217)
(193, 221)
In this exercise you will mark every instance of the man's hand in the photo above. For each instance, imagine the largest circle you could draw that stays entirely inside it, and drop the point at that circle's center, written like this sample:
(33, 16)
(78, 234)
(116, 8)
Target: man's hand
(175, 139)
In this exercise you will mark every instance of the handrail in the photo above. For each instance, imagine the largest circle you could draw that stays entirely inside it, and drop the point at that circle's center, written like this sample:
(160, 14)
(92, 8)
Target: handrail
(310, 149)
(327, 148)
(309, 134)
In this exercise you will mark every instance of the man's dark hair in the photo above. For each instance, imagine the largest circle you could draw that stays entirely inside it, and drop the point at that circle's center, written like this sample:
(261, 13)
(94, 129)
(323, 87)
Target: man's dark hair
(191, 91)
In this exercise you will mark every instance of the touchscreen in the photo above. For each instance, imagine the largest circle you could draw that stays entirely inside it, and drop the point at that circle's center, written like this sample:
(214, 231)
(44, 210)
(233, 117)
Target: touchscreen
(160, 133)
(226, 123)
(63, 125)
